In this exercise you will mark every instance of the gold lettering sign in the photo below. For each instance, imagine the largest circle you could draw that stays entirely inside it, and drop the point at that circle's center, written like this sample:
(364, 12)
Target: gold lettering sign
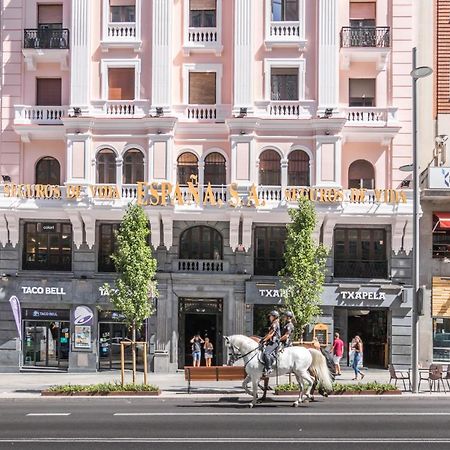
(165, 194)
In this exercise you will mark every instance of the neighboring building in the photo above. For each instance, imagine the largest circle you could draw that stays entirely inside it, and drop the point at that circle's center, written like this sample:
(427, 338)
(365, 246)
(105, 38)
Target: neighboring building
(270, 96)
(434, 129)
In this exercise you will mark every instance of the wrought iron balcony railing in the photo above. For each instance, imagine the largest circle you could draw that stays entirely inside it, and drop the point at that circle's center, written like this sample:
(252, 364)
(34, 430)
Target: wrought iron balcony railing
(46, 38)
(377, 37)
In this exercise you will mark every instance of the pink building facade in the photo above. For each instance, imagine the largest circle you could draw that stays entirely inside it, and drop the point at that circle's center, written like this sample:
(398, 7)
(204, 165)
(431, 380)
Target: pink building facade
(216, 115)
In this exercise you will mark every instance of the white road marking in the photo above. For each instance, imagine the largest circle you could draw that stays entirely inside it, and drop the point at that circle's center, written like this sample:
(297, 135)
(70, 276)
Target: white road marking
(252, 440)
(284, 414)
(47, 414)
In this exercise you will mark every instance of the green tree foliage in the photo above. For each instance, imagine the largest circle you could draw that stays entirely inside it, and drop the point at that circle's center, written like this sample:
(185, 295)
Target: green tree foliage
(304, 273)
(136, 267)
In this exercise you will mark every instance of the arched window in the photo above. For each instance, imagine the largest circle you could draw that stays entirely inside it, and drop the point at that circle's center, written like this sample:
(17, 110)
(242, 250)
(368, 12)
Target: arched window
(298, 169)
(106, 166)
(361, 174)
(187, 165)
(201, 242)
(48, 171)
(269, 168)
(133, 166)
(215, 169)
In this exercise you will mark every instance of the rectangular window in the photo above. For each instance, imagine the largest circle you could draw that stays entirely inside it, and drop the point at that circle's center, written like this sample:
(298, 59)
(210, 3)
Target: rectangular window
(202, 88)
(363, 11)
(269, 250)
(50, 16)
(441, 339)
(107, 246)
(362, 92)
(285, 10)
(121, 83)
(441, 235)
(122, 13)
(48, 91)
(48, 246)
(284, 83)
(202, 13)
(360, 253)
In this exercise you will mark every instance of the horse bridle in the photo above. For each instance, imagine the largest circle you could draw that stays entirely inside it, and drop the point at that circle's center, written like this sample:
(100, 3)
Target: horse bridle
(236, 356)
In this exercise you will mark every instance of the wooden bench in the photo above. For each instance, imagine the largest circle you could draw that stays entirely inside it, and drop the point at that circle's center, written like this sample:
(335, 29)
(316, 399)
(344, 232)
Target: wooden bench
(214, 373)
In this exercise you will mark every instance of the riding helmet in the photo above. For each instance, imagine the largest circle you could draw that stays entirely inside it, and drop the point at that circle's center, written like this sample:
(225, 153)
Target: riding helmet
(288, 314)
(274, 314)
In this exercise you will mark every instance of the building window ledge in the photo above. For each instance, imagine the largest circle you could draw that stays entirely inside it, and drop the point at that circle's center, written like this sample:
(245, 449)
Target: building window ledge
(285, 34)
(35, 56)
(203, 40)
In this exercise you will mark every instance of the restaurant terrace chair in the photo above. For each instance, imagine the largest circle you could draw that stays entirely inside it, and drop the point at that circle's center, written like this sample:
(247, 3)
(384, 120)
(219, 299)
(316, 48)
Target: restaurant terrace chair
(435, 375)
(399, 375)
(447, 377)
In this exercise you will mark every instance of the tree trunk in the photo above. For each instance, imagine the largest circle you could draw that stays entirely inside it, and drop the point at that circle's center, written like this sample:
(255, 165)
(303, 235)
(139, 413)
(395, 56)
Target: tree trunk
(133, 350)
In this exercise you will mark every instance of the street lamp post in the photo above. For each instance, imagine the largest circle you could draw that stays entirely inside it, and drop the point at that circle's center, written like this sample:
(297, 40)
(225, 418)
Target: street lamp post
(416, 74)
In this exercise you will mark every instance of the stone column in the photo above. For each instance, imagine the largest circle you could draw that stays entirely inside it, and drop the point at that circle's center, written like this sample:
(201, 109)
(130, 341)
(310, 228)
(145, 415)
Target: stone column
(328, 55)
(243, 55)
(161, 55)
(80, 54)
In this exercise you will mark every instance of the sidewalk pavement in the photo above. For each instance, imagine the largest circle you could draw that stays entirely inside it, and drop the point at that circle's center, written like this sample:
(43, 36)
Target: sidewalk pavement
(31, 384)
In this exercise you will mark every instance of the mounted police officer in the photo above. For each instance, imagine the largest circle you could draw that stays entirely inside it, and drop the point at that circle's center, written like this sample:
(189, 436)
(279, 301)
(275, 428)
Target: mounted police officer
(270, 342)
(287, 332)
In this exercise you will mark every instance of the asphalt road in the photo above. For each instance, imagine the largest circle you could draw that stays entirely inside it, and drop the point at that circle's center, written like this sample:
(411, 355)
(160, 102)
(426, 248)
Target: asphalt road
(224, 423)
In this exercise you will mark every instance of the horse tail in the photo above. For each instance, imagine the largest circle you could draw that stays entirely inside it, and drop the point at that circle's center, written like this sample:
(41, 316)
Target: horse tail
(320, 369)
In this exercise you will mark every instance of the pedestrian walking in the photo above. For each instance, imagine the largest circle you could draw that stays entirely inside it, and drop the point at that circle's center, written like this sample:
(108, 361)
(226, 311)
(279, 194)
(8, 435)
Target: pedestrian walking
(337, 350)
(357, 348)
(196, 342)
(208, 348)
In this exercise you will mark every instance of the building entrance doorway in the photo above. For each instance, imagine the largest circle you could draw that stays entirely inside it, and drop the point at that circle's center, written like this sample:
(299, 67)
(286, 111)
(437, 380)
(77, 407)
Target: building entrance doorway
(203, 316)
(372, 327)
(46, 344)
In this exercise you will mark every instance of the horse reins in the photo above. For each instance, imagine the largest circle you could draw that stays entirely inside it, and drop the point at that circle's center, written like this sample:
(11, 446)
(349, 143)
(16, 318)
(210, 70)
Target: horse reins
(237, 358)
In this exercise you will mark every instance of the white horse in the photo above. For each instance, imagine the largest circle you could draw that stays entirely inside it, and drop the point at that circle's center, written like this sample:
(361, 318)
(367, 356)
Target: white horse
(296, 360)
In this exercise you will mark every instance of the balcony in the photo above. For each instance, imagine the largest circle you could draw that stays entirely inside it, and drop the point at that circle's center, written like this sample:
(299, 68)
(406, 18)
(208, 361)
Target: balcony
(121, 108)
(360, 269)
(200, 266)
(203, 40)
(35, 121)
(370, 116)
(285, 34)
(121, 35)
(202, 113)
(365, 44)
(288, 109)
(46, 45)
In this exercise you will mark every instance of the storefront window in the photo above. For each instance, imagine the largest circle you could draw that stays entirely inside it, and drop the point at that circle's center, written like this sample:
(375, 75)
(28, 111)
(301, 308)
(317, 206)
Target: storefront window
(441, 235)
(360, 253)
(201, 243)
(107, 246)
(269, 250)
(441, 339)
(48, 246)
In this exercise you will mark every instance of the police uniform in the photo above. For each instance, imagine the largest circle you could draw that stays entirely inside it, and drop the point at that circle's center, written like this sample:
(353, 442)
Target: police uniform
(271, 344)
(288, 328)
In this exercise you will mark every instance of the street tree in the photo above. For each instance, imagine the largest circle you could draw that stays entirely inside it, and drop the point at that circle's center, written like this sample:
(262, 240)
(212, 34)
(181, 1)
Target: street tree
(136, 267)
(303, 275)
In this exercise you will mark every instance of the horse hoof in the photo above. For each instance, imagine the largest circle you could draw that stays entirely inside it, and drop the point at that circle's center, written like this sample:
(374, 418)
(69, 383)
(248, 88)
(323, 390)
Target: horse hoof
(295, 405)
(311, 399)
(251, 405)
